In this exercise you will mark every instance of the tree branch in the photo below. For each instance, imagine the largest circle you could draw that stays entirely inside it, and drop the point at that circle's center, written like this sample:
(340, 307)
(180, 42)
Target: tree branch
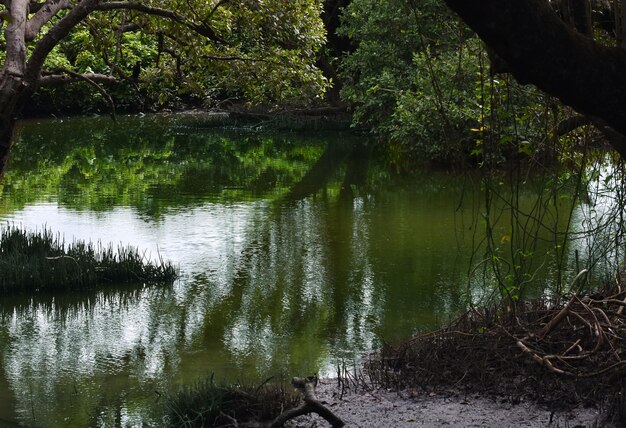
(541, 49)
(55, 79)
(43, 15)
(202, 28)
(615, 139)
(91, 78)
(572, 123)
(128, 28)
(236, 58)
(311, 404)
(52, 38)
(217, 6)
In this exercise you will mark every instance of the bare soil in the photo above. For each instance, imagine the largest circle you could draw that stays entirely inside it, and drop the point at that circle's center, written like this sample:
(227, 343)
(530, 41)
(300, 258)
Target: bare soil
(538, 364)
(384, 408)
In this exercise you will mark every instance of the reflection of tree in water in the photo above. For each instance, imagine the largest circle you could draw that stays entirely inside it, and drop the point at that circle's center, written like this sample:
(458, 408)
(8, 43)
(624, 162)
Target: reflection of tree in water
(151, 164)
(71, 355)
(283, 281)
(355, 155)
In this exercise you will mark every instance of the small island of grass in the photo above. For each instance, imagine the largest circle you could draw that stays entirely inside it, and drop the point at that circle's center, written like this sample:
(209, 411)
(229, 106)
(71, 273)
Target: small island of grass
(41, 261)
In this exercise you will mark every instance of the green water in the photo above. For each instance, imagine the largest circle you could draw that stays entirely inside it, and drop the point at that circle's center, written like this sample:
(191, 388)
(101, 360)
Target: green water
(297, 252)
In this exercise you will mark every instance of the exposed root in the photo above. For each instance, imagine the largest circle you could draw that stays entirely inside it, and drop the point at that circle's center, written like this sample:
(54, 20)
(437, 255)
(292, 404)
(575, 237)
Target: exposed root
(561, 356)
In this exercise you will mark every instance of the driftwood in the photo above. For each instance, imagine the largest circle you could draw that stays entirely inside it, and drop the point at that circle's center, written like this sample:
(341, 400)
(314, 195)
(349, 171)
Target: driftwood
(310, 404)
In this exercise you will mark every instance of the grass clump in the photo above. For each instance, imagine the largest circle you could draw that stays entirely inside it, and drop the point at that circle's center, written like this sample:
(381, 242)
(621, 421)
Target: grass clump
(209, 405)
(41, 261)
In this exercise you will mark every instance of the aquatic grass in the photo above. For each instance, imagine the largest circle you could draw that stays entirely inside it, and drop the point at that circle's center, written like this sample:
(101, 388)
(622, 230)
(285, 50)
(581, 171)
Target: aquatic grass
(207, 404)
(41, 261)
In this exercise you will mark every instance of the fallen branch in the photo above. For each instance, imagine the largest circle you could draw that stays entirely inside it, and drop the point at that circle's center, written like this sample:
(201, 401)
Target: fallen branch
(310, 404)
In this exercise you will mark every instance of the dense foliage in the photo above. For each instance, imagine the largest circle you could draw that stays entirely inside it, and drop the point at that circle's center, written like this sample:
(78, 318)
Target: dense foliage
(403, 79)
(248, 51)
(414, 75)
(419, 79)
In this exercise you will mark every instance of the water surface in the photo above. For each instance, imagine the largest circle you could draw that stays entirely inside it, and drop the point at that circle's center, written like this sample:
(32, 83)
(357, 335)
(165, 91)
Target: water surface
(297, 252)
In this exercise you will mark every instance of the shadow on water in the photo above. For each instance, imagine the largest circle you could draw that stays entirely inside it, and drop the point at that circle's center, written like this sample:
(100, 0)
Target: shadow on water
(7, 409)
(354, 153)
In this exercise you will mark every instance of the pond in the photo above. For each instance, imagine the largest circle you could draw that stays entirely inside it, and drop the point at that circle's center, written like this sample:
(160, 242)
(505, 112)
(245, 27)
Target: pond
(297, 252)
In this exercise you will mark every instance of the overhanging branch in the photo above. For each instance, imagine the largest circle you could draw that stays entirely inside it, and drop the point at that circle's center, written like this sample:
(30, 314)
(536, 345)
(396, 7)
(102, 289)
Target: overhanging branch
(92, 79)
(540, 49)
(43, 15)
(201, 28)
(58, 79)
(52, 38)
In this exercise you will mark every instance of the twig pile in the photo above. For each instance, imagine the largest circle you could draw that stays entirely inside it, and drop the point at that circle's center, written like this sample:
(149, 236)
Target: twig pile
(561, 355)
(586, 338)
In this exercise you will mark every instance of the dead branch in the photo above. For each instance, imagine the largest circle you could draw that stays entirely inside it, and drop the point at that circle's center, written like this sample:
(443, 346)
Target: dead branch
(306, 386)
(57, 79)
(90, 78)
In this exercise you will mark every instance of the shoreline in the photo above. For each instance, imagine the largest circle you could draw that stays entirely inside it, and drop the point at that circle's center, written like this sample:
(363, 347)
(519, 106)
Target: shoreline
(377, 407)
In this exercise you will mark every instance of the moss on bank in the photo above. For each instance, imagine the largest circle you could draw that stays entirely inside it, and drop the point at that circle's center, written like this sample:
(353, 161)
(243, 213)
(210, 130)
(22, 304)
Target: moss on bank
(41, 261)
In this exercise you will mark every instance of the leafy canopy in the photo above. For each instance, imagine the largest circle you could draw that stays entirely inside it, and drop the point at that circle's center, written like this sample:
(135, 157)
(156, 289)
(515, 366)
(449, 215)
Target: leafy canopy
(172, 51)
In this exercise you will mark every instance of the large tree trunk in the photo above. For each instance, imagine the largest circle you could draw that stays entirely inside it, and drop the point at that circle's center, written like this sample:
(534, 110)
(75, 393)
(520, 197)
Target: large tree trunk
(12, 94)
(12, 85)
(541, 49)
(336, 47)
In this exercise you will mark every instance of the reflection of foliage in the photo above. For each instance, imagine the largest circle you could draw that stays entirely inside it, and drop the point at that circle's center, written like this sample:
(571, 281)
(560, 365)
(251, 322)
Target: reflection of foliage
(150, 163)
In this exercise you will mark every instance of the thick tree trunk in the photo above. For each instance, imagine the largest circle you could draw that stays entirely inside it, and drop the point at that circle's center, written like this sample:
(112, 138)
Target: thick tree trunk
(336, 47)
(541, 49)
(12, 93)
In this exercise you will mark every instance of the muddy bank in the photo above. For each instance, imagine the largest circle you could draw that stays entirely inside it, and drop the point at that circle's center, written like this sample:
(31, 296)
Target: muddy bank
(382, 408)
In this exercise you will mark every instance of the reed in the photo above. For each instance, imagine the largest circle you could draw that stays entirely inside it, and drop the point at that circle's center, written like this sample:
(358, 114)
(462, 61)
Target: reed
(41, 261)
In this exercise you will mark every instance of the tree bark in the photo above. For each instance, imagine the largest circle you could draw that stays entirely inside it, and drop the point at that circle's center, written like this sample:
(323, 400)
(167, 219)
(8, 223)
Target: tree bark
(43, 15)
(12, 94)
(15, 42)
(541, 49)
